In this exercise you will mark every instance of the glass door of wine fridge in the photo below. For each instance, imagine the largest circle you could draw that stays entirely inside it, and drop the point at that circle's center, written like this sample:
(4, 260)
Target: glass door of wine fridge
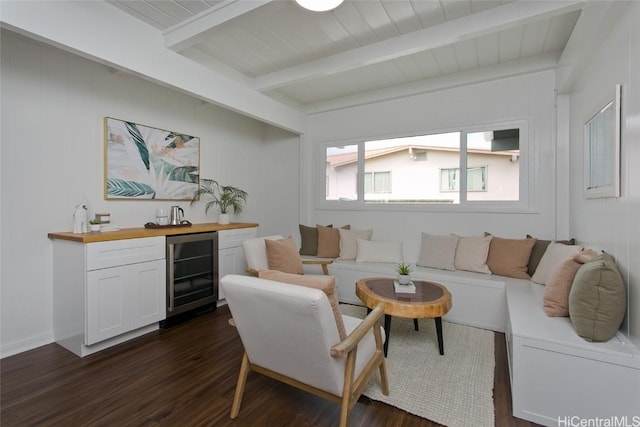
(192, 272)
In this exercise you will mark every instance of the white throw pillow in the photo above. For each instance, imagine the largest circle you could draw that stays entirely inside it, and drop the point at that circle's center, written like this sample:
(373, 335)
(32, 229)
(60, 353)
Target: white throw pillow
(349, 242)
(369, 251)
(556, 254)
(472, 252)
(438, 251)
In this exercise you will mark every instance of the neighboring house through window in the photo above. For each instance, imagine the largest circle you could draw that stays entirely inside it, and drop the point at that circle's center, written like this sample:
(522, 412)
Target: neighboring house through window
(427, 169)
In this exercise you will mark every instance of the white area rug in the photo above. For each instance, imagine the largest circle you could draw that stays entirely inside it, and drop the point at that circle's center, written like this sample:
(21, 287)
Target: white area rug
(455, 389)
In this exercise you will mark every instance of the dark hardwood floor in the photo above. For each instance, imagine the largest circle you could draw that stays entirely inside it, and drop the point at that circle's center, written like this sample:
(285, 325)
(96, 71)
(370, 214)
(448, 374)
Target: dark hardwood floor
(182, 376)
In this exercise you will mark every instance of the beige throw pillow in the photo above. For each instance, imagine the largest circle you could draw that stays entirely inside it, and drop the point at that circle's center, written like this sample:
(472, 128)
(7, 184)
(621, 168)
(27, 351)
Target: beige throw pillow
(349, 242)
(555, 255)
(539, 249)
(438, 251)
(326, 284)
(282, 255)
(471, 254)
(556, 292)
(510, 257)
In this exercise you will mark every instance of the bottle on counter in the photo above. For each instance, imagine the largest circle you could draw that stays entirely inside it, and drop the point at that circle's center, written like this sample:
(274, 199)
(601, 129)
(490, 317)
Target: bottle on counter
(80, 223)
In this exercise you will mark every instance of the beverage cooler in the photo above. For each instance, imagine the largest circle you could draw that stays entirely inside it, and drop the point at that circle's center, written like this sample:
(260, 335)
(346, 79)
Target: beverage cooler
(192, 272)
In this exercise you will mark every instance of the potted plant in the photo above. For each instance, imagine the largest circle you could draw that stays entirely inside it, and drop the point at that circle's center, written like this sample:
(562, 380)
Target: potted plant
(225, 197)
(94, 225)
(404, 271)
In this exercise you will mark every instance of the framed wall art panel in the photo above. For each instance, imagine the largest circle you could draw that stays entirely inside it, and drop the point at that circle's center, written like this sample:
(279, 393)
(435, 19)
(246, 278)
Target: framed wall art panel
(147, 163)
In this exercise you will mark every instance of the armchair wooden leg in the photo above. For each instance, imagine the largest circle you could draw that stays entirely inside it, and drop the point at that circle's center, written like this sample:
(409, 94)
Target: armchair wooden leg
(242, 380)
(383, 366)
(347, 390)
(384, 383)
(325, 269)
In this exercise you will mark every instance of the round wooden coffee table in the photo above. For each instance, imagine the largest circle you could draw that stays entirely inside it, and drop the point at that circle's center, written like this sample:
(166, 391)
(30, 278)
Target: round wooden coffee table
(431, 300)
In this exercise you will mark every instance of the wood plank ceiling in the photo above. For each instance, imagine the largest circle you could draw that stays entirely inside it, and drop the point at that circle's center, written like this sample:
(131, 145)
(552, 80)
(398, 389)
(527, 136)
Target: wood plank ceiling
(364, 48)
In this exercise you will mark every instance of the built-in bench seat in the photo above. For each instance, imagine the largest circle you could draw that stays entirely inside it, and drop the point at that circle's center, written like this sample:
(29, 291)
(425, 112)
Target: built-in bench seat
(557, 374)
(478, 299)
(554, 372)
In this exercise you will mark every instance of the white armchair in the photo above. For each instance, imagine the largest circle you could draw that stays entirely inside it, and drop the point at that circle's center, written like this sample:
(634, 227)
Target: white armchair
(289, 333)
(256, 255)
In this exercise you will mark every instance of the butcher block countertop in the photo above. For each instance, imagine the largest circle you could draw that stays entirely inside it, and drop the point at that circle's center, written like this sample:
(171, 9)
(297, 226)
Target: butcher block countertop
(133, 233)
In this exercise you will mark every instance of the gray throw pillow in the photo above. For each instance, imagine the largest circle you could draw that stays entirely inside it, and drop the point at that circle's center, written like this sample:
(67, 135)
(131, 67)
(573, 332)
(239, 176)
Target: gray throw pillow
(598, 300)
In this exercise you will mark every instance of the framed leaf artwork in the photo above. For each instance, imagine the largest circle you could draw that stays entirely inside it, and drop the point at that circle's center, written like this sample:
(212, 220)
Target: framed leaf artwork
(147, 163)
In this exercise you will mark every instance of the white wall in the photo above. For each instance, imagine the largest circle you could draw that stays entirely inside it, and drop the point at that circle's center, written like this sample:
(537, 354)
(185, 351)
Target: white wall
(138, 49)
(530, 97)
(612, 224)
(53, 105)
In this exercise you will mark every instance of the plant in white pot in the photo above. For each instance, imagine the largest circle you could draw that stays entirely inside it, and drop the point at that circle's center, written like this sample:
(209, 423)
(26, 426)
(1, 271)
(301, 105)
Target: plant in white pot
(226, 197)
(404, 273)
(95, 225)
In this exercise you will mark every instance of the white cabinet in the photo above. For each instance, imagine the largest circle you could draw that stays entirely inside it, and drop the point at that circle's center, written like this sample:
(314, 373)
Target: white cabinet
(231, 259)
(121, 299)
(107, 292)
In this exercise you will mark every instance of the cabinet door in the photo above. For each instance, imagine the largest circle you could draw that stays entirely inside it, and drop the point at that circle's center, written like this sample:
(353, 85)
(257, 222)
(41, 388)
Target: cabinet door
(148, 299)
(106, 303)
(231, 261)
(121, 299)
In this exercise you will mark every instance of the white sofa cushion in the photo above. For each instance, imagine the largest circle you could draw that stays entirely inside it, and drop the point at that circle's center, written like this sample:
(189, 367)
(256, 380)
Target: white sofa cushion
(371, 251)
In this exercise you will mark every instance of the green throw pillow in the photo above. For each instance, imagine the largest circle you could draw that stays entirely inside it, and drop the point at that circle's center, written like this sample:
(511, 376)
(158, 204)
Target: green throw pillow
(598, 300)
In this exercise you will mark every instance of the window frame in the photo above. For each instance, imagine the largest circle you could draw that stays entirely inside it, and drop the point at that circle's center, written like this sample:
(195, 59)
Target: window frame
(527, 170)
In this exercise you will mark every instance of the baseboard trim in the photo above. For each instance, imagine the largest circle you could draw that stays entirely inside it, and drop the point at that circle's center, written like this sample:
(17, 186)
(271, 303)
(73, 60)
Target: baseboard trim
(30, 343)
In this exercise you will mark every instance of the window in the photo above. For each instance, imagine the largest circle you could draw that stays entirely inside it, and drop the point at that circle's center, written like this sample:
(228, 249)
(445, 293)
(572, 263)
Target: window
(476, 179)
(377, 182)
(415, 178)
(341, 173)
(449, 179)
(442, 168)
(498, 151)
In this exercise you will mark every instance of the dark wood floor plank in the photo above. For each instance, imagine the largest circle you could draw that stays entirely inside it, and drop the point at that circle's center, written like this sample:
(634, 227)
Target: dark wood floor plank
(184, 375)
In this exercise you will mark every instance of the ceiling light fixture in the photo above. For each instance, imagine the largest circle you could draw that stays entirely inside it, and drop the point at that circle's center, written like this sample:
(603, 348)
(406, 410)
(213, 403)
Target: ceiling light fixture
(319, 5)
